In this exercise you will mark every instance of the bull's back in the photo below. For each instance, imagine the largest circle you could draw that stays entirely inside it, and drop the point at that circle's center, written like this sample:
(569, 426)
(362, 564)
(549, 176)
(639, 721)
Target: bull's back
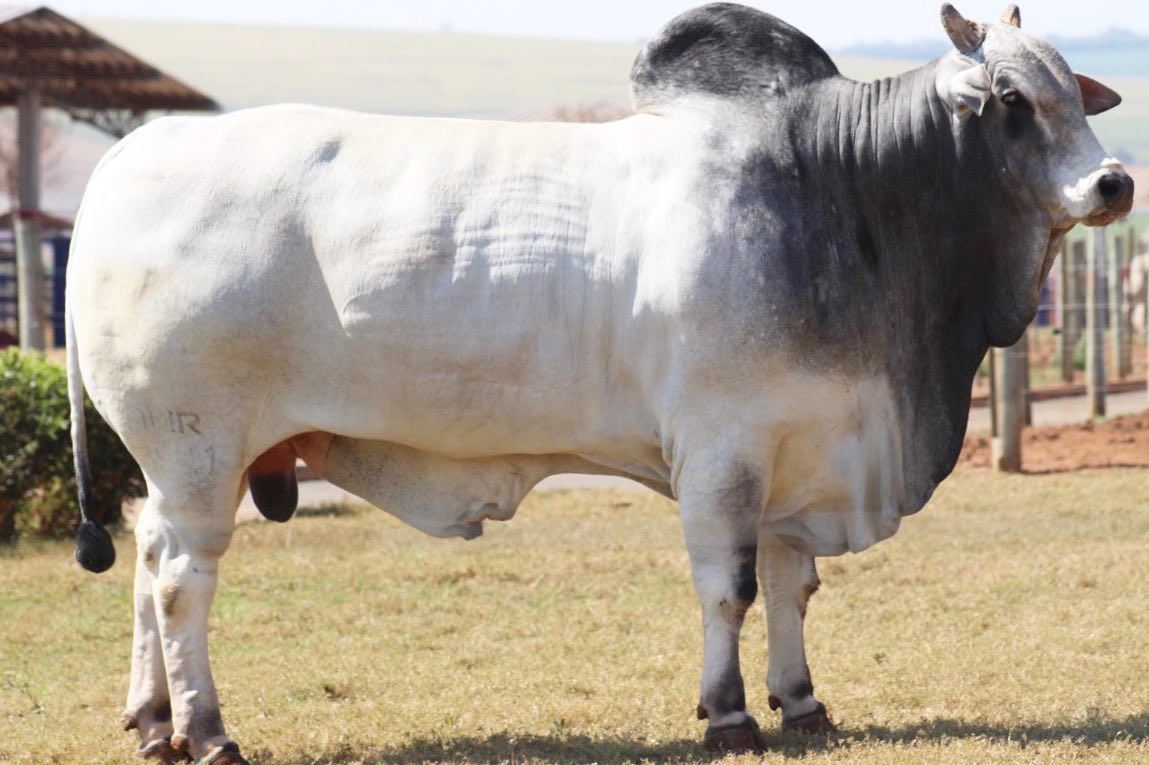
(431, 281)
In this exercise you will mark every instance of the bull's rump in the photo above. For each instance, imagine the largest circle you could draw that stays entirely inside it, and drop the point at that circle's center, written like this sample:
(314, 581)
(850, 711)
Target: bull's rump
(450, 285)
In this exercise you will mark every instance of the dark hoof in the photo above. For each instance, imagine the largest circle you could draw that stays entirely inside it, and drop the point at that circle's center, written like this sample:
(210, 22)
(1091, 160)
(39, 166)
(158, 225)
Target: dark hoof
(228, 754)
(816, 723)
(740, 737)
(162, 750)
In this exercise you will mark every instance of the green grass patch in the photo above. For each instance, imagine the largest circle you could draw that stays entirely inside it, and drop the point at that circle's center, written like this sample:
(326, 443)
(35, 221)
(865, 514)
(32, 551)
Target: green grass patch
(1005, 623)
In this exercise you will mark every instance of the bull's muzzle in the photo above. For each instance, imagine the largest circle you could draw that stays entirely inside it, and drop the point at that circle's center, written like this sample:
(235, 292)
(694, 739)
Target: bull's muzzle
(1114, 194)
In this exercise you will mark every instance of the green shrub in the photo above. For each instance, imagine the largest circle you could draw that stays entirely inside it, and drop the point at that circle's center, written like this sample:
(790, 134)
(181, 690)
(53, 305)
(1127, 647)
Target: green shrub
(37, 484)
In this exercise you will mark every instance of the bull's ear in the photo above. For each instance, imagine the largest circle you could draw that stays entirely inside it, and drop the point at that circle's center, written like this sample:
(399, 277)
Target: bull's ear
(969, 91)
(1097, 97)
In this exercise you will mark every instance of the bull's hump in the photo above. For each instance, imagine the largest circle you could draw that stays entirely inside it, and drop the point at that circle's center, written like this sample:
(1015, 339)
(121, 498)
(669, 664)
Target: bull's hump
(725, 50)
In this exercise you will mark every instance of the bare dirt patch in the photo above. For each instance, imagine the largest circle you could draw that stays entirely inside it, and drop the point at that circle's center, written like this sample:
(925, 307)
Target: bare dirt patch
(1118, 442)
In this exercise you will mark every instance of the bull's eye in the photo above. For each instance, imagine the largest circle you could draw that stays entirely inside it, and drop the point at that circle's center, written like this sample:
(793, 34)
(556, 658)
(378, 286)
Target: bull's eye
(1018, 113)
(1012, 99)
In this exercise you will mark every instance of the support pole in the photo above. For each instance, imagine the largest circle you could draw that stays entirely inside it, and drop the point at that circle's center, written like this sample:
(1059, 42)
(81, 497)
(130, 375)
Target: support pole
(29, 260)
(1022, 349)
(1065, 305)
(1116, 312)
(1080, 262)
(1008, 393)
(1127, 308)
(1095, 323)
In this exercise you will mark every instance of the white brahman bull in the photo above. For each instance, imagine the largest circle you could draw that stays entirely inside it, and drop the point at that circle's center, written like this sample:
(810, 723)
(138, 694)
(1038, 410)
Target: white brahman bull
(764, 295)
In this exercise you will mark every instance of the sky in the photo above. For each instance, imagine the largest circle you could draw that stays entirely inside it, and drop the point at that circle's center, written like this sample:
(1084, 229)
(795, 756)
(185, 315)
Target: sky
(834, 25)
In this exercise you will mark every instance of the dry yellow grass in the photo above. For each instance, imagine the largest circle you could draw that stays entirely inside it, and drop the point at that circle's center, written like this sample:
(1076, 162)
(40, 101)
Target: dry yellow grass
(1005, 624)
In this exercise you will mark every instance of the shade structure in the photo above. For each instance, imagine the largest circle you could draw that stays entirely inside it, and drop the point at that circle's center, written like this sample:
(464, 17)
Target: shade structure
(75, 67)
(49, 223)
(48, 59)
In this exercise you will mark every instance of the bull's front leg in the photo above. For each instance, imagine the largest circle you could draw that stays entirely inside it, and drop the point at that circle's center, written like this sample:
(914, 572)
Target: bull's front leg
(788, 579)
(720, 526)
(180, 550)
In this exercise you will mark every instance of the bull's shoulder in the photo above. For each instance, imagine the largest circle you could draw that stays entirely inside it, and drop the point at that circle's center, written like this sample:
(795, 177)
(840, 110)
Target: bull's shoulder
(725, 50)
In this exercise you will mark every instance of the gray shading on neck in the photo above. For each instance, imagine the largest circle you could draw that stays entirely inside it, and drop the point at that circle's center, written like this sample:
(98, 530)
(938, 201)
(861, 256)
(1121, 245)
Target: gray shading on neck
(883, 241)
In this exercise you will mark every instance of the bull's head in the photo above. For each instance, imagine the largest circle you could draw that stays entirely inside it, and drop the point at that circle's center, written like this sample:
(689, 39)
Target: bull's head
(1023, 91)
(1028, 109)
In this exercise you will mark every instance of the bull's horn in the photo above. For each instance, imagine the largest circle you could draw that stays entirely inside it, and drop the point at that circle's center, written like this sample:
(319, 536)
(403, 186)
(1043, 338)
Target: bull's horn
(1012, 16)
(967, 36)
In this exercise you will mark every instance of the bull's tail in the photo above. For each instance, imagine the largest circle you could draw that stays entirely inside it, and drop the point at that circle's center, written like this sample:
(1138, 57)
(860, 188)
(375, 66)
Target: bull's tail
(94, 548)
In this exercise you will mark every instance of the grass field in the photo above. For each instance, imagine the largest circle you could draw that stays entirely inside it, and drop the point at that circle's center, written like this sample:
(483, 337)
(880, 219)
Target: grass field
(1007, 623)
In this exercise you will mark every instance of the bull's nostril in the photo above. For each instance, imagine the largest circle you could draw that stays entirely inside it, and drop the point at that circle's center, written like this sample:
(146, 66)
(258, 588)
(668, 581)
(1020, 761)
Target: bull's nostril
(1110, 186)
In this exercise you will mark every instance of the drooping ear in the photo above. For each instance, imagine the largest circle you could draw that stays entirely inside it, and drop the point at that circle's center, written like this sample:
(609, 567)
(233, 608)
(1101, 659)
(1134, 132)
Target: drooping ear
(968, 91)
(1012, 16)
(1097, 97)
(967, 36)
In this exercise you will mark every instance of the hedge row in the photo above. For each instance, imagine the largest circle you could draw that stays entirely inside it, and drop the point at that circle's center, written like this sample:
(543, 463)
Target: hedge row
(37, 484)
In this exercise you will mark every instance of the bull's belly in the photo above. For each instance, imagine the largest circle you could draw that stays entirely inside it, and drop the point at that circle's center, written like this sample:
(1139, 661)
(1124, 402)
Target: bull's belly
(443, 496)
(467, 400)
(445, 442)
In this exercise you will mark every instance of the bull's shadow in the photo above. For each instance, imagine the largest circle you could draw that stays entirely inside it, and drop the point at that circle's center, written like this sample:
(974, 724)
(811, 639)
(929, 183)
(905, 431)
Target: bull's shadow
(572, 748)
(502, 747)
(1089, 732)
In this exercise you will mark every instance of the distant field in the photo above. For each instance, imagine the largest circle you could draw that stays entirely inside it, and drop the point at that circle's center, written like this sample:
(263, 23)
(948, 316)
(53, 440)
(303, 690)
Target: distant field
(451, 74)
(1007, 623)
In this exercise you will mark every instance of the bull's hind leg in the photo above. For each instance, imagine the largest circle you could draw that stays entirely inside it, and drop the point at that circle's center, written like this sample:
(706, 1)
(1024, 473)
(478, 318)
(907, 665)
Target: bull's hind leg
(180, 538)
(789, 578)
(148, 708)
(721, 529)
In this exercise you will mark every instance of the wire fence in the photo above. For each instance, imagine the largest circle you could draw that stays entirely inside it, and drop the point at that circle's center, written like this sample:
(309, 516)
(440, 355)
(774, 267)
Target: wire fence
(1056, 343)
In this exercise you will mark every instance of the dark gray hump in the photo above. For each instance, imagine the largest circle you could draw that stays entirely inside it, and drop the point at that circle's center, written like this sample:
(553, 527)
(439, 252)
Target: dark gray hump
(728, 50)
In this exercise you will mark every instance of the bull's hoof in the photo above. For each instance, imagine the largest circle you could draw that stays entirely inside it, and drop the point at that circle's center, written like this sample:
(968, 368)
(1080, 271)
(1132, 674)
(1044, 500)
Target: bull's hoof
(740, 737)
(228, 754)
(816, 723)
(162, 751)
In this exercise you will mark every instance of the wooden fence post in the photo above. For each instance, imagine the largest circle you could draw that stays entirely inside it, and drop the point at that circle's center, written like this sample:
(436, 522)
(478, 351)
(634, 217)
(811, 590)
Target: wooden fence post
(1022, 348)
(1065, 305)
(1127, 308)
(1116, 314)
(1006, 369)
(1095, 322)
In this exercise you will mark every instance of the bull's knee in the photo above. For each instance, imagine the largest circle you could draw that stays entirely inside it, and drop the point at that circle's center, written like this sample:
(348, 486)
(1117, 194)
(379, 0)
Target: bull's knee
(810, 585)
(273, 484)
(742, 587)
